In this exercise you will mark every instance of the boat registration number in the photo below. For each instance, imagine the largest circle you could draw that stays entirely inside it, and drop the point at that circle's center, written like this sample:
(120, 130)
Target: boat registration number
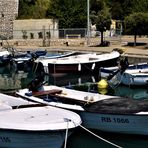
(115, 120)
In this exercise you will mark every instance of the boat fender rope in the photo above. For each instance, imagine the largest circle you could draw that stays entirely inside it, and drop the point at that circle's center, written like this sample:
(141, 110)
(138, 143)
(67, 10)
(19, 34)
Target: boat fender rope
(100, 137)
(66, 134)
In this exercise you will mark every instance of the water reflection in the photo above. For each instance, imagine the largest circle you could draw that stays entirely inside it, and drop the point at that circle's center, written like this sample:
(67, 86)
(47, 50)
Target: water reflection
(12, 80)
(124, 91)
(84, 139)
(136, 93)
(89, 83)
(71, 79)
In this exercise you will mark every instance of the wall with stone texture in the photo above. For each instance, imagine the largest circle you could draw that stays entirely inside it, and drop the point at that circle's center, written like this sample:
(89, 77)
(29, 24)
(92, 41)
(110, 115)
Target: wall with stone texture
(8, 13)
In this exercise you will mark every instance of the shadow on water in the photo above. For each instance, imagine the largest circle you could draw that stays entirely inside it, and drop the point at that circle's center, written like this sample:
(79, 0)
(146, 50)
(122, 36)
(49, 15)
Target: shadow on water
(84, 139)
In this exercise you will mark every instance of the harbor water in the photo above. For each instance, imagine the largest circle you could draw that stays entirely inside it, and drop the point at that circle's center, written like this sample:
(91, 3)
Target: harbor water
(11, 81)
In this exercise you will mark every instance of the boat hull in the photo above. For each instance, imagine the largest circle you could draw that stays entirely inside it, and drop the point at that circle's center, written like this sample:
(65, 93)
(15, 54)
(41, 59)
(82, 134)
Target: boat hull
(99, 112)
(132, 80)
(125, 124)
(23, 139)
(4, 61)
(134, 75)
(91, 67)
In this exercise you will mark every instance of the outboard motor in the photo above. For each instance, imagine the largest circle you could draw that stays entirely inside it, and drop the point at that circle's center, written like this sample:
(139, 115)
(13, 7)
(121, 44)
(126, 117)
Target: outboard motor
(36, 84)
(124, 64)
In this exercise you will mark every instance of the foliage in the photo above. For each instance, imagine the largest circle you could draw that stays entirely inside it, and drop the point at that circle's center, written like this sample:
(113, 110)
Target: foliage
(101, 17)
(137, 24)
(33, 9)
(71, 13)
(119, 9)
(122, 8)
(103, 20)
(140, 6)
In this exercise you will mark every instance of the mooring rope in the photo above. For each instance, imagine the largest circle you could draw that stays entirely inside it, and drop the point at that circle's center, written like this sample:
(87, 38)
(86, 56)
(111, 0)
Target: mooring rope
(66, 134)
(100, 137)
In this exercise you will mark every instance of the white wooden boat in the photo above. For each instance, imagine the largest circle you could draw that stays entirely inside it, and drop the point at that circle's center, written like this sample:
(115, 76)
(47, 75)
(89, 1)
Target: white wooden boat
(24, 57)
(137, 77)
(90, 62)
(107, 71)
(31, 125)
(55, 55)
(26, 61)
(99, 112)
(13, 102)
(133, 75)
(22, 60)
(36, 127)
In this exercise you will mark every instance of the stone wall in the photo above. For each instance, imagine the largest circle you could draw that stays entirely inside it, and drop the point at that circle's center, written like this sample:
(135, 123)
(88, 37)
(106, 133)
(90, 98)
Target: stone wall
(8, 13)
(43, 43)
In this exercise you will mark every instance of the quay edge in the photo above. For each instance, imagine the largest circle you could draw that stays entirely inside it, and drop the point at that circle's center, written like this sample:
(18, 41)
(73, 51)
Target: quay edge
(134, 55)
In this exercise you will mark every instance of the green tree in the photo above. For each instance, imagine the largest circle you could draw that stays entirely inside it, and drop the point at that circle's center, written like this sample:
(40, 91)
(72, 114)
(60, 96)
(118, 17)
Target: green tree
(71, 13)
(33, 9)
(137, 24)
(101, 16)
(120, 8)
(140, 6)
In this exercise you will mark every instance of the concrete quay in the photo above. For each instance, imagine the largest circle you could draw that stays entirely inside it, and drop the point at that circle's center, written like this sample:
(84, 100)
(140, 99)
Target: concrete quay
(131, 51)
(135, 55)
(128, 50)
(139, 53)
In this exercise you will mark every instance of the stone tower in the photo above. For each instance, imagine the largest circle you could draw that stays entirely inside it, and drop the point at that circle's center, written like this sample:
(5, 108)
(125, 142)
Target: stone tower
(8, 13)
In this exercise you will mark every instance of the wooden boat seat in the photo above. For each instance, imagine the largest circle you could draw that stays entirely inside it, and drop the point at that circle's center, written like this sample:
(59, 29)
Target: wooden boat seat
(59, 93)
(48, 92)
(92, 59)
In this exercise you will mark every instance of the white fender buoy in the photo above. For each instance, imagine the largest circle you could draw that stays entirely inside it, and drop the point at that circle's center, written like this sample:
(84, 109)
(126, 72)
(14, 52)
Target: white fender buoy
(79, 67)
(93, 66)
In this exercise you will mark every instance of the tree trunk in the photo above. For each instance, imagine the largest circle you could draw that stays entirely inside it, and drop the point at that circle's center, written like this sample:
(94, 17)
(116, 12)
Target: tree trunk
(102, 38)
(135, 39)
